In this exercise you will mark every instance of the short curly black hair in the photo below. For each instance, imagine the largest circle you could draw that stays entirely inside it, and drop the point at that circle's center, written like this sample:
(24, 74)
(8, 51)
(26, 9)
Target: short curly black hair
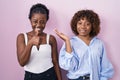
(39, 8)
(91, 16)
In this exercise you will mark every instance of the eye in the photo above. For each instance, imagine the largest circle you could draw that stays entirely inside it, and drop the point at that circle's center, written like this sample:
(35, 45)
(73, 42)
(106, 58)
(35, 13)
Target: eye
(34, 21)
(42, 22)
(88, 24)
(79, 23)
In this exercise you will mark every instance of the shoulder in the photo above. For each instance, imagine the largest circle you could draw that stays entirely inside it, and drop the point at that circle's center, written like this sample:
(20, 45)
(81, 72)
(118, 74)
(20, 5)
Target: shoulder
(20, 38)
(74, 39)
(98, 41)
(52, 37)
(52, 40)
(20, 35)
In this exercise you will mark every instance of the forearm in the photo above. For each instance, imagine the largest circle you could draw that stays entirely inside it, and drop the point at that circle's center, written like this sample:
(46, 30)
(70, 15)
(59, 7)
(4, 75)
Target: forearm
(68, 46)
(68, 62)
(25, 55)
(57, 70)
(107, 70)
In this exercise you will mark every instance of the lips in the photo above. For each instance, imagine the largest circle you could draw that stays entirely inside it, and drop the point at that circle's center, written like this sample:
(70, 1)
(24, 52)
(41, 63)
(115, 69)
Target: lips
(38, 29)
(82, 31)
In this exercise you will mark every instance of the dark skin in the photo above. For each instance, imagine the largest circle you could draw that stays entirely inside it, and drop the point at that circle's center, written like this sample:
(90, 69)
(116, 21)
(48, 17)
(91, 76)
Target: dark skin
(37, 37)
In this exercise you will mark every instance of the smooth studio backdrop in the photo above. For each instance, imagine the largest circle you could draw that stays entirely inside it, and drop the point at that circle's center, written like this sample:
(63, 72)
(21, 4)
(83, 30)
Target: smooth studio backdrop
(14, 20)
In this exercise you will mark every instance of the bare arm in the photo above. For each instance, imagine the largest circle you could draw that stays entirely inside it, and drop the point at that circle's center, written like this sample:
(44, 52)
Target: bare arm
(55, 57)
(23, 51)
(66, 40)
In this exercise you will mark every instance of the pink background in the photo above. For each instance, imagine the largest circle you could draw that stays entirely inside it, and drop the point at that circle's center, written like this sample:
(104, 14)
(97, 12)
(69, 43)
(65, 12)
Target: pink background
(14, 20)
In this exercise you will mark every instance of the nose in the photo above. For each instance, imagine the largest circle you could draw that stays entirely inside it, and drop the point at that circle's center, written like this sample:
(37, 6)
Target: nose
(38, 24)
(83, 26)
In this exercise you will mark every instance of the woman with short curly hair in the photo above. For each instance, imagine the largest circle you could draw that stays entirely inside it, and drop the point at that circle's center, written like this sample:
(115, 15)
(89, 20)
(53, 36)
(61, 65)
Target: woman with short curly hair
(84, 55)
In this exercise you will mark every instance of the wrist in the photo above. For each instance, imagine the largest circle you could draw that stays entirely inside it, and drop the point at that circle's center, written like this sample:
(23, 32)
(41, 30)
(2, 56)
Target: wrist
(30, 43)
(67, 40)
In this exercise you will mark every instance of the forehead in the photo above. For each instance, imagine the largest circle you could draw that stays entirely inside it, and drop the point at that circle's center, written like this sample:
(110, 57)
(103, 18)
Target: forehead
(39, 16)
(83, 19)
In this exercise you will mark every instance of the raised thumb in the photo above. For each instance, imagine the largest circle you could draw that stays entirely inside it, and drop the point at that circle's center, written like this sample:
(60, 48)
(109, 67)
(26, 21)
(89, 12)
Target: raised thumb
(37, 31)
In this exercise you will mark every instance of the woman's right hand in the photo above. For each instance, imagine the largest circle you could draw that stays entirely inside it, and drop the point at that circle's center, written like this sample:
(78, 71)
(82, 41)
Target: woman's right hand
(61, 35)
(35, 40)
(66, 39)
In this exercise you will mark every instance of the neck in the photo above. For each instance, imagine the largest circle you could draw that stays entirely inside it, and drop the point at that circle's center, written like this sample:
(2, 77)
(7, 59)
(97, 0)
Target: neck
(86, 39)
(39, 34)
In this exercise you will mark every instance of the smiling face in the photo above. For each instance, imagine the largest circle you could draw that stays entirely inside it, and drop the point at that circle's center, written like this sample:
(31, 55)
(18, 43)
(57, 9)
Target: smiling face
(38, 21)
(84, 27)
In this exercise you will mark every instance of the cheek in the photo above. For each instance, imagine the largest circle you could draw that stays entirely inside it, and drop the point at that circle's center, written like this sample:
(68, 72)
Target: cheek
(33, 26)
(32, 23)
(78, 27)
(89, 28)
